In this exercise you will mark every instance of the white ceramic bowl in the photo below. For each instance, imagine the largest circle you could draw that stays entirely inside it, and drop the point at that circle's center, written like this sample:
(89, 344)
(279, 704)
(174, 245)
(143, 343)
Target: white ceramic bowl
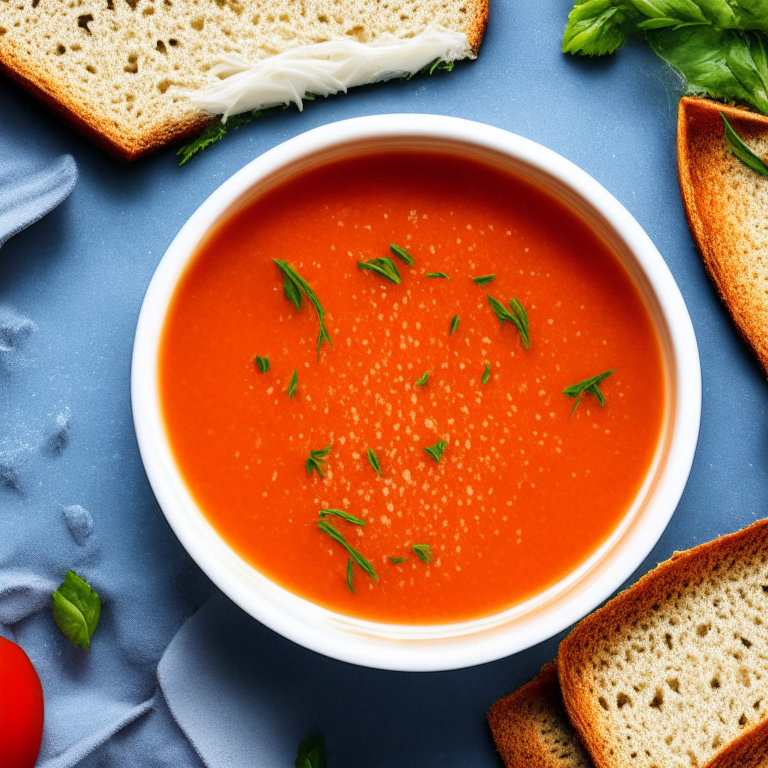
(464, 644)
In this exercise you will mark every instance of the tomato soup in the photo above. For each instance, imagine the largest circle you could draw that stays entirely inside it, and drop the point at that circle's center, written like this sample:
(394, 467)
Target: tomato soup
(519, 487)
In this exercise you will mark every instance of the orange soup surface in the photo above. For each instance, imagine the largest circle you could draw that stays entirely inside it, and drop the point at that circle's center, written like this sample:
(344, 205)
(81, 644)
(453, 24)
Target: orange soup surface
(525, 490)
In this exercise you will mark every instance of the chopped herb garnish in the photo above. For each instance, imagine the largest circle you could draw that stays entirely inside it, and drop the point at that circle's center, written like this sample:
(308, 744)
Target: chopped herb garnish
(291, 390)
(437, 274)
(357, 558)
(436, 450)
(374, 461)
(349, 576)
(742, 151)
(454, 325)
(396, 560)
(483, 279)
(316, 460)
(343, 515)
(293, 285)
(262, 363)
(383, 267)
(76, 610)
(424, 551)
(486, 377)
(588, 386)
(517, 317)
(422, 380)
(312, 753)
(401, 254)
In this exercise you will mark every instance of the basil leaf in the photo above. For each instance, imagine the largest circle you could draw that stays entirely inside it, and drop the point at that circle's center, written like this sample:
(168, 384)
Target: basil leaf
(291, 390)
(436, 450)
(454, 325)
(422, 380)
(312, 753)
(397, 560)
(357, 558)
(483, 279)
(742, 151)
(597, 27)
(374, 461)
(384, 267)
(424, 551)
(486, 377)
(316, 460)
(591, 386)
(401, 254)
(76, 610)
(343, 515)
(262, 363)
(437, 274)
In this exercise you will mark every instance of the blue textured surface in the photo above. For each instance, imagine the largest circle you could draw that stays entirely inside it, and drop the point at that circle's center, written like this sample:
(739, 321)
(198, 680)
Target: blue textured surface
(79, 275)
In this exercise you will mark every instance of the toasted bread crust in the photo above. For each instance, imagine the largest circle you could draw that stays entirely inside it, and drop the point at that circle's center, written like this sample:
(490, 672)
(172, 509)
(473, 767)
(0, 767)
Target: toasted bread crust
(42, 82)
(652, 593)
(716, 199)
(516, 725)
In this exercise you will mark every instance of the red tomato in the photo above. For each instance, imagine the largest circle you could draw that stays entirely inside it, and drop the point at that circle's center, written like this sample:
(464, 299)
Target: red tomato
(21, 708)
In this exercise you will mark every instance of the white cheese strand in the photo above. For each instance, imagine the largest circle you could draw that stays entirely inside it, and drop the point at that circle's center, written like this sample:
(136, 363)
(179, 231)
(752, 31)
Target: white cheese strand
(323, 69)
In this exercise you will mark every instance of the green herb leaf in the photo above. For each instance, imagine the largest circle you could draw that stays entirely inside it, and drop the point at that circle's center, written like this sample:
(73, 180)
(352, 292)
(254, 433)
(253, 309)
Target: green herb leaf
(357, 558)
(343, 515)
(316, 460)
(483, 279)
(214, 132)
(422, 380)
(436, 450)
(517, 316)
(384, 267)
(596, 27)
(374, 461)
(402, 254)
(291, 390)
(742, 151)
(76, 610)
(396, 560)
(440, 65)
(312, 753)
(588, 386)
(262, 363)
(437, 274)
(298, 283)
(486, 377)
(454, 325)
(349, 576)
(424, 551)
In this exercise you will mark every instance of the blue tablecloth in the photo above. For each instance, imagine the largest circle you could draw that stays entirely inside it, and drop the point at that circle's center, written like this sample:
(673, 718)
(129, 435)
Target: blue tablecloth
(219, 688)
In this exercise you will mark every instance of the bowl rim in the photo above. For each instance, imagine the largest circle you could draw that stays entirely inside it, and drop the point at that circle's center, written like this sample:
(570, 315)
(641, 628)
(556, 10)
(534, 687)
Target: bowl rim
(438, 647)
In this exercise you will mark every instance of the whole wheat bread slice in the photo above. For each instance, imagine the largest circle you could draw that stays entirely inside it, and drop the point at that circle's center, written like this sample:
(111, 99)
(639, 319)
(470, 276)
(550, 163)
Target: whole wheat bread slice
(530, 727)
(727, 208)
(673, 673)
(118, 69)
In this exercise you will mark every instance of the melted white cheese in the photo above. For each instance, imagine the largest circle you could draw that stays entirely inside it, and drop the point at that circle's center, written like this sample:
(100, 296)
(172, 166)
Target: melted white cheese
(323, 69)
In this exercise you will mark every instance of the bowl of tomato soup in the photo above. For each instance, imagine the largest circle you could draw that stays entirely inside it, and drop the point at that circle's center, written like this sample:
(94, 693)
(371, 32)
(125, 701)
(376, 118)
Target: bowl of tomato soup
(415, 392)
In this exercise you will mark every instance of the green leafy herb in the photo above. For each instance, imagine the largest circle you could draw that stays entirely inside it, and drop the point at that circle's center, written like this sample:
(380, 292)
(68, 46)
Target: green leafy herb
(343, 515)
(483, 279)
(486, 377)
(349, 576)
(437, 274)
(262, 363)
(293, 285)
(396, 560)
(439, 65)
(588, 386)
(374, 461)
(316, 460)
(384, 267)
(424, 551)
(422, 380)
(312, 753)
(454, 325)
(517, 317)
(357, 558)
(402, 254)
(215, 131)
(291, 390)
(76, 610)
(742, 151)
(436, 450)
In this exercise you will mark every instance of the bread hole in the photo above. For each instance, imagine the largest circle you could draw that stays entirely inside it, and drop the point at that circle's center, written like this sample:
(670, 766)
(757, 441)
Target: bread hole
(358, 33)
(197, 24)
(668, 640)
(3, 30)
(622, 699)
(716, 742)
(132, 3)
(658, 699)
(173, 43)
(743, 721)
(736, 655)
(168, 3)
(255, 20)
(602, 702)
(90, 68)
(75, 47)
(744, 677)
(692, 758)
(702, 629)
(84, 20)
(164, 85)
(110, 5)
(148, 11)
(35, 3)
(284, 17)
(756, 705)
(161, 47)
(133, 64)
(60, 50)
(674, 684)
(715, 682)
(323, 19)
(747, 643)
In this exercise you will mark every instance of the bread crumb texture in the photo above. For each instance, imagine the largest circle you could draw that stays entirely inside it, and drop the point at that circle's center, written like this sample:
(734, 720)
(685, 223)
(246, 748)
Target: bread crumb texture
(531, 729)
(726, 205)
(674, 670)
(117, 69)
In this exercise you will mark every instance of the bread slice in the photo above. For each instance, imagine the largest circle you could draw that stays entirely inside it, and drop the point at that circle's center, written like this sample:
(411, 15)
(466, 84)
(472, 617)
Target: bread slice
(530, 728)
(117, 69)
(673, 673)
(727, 208)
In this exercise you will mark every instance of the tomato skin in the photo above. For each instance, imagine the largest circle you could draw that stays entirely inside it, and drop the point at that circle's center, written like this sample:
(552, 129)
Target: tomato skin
(21, 708)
